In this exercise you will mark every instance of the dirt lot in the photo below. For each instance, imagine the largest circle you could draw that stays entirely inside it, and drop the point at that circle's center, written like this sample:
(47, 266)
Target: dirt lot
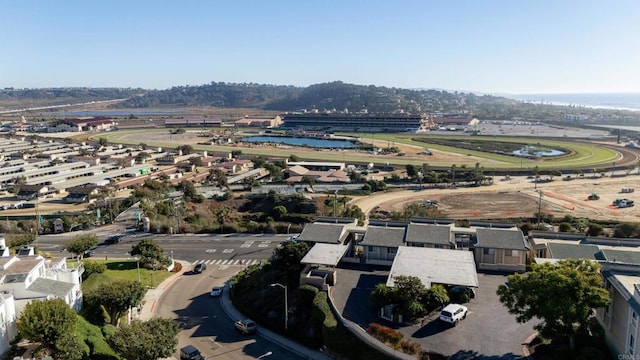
(519, 197)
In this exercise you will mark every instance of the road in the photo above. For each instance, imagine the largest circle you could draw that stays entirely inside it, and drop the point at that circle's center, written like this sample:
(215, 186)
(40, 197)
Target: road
(204, 322)
(214, 249)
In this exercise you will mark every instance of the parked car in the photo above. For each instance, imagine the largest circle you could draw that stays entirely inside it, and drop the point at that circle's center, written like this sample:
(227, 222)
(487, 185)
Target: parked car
(200, 267)
(462, 293)
(246, 326)
(453, 313)
(216, 291)
(190, 352)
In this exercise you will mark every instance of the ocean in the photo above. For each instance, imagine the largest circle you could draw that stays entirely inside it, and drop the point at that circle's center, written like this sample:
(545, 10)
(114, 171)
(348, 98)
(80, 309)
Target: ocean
(622, 101)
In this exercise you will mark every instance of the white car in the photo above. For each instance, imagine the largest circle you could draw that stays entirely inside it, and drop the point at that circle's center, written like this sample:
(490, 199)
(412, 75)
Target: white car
(453, 313)
(216, 291)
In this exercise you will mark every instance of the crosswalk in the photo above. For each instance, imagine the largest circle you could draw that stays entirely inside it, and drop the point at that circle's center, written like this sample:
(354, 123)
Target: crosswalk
(246, 262)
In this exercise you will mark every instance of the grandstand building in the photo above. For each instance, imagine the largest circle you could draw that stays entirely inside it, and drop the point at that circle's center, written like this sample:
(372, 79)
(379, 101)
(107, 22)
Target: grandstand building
(358, 122)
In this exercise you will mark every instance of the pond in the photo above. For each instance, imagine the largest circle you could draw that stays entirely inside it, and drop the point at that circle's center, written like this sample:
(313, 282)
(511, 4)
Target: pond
(302, 141)
(533, 151)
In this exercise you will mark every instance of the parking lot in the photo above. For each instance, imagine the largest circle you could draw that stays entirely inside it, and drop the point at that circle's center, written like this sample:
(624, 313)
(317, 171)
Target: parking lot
(489, 331)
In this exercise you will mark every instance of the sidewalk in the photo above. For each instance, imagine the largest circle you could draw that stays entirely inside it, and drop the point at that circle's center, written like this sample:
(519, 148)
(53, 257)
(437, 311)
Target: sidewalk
(153, 295)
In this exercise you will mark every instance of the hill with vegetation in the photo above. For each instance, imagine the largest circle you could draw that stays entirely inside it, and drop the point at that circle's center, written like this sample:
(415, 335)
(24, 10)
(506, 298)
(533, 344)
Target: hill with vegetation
(331, 96)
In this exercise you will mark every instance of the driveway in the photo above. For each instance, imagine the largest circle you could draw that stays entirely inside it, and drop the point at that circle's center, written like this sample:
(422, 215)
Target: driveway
(488, 332)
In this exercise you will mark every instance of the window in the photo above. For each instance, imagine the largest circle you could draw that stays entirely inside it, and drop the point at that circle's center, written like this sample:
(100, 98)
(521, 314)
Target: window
(632, 344)
(488, 251)
(634, 319)
(514, 253)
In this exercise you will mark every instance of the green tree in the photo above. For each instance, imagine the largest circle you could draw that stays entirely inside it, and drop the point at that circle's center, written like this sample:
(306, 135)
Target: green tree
(309, 180)
(563, 295)
(151, 254)
(437, 294)
(149, 340)
(288, 255)
(47, 322)
(410, 294)
(185, 149)
(411, 171)
(18, 181)
(221, 178)
(79, 244)
(280, 211)
(258, 161)
(117, 297)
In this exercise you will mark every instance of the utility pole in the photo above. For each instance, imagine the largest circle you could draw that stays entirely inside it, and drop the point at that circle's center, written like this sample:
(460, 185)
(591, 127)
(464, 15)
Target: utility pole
(539, 207)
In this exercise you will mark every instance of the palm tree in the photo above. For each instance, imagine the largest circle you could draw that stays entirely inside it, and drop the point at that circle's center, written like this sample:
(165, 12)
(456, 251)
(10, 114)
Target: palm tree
(221, 215)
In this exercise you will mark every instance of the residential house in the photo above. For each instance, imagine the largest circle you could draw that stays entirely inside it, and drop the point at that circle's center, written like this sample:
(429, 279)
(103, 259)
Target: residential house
(430, 235)
(501, 249)
(27, 278)
(381, 242)
(620, 318)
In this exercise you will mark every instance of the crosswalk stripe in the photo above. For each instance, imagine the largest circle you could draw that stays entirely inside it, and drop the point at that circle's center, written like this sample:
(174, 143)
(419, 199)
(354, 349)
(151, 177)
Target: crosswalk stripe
(245, 262)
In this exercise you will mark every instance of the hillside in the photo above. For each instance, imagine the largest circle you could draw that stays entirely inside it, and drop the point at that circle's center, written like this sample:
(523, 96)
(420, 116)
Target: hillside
(327, 96)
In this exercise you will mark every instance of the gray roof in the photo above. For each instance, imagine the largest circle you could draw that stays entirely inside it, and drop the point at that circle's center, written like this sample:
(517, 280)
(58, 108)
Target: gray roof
(325, 254)
(322, 232)
(622, 256)
(501, 239)
(384, 236)
(429, 234)
(573, 251)
(59, 289)
(439, 266)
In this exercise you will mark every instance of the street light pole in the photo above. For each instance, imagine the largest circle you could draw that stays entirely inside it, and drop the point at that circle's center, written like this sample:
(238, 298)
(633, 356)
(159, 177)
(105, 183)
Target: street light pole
(138, 266)
(286, 307)
(268, 353)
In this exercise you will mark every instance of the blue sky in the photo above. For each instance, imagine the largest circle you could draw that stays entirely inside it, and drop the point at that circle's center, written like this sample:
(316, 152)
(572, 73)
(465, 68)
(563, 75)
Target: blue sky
(493, 46)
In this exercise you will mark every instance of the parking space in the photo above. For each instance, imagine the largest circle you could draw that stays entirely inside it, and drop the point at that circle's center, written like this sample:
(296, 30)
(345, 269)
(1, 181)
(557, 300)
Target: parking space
(488, 331)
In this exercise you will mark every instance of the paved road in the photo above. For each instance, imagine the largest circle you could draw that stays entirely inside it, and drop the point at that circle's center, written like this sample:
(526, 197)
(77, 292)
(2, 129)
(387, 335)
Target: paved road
(204, 323)
(227, 249)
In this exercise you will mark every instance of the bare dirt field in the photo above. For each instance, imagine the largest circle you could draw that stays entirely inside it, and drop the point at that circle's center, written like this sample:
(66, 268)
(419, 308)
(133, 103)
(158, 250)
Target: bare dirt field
(519, 197)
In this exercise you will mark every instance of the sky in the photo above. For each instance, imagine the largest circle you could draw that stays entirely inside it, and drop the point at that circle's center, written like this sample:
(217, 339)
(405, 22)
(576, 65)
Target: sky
(488, 46)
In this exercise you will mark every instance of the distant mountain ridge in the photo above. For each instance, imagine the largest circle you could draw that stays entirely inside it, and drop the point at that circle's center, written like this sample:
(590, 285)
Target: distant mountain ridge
(335, 95)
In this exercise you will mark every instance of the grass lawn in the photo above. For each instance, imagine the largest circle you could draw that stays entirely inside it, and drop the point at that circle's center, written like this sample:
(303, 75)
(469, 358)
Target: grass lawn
(127, 270)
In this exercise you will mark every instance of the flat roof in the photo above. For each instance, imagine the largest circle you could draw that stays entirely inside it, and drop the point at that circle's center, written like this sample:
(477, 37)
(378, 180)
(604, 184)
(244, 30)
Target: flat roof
(430, 265)
(325, 254)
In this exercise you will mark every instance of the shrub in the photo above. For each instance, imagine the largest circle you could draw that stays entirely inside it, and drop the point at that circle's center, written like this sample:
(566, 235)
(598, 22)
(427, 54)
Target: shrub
(307, 293)
(385, 334)
(177, 267)
(410, 347)
(93, 267)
